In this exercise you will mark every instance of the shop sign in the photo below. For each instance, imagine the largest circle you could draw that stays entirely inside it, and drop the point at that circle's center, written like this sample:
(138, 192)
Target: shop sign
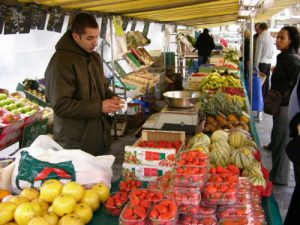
(17, 19)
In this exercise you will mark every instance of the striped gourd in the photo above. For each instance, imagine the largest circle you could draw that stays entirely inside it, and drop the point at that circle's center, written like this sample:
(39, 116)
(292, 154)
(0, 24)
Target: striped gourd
(219, 156)
(257, 180)
(252, 170)
(237, 139)
(199, 139)
(219, 135)
(220, 144)
(242, 158)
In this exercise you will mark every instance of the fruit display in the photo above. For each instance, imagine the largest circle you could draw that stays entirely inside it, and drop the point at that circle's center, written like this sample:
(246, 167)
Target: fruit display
(231, 54)
(220, 193)
(54, 203)
(189, 176)
(234, 91)
(128, 185)
(192, 158)
(197, 210)
(215, 81)
(221, 103)
(183, 195)
(161, 144)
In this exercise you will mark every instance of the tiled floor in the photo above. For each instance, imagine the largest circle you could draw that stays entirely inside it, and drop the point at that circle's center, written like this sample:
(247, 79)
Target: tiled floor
(282, 194)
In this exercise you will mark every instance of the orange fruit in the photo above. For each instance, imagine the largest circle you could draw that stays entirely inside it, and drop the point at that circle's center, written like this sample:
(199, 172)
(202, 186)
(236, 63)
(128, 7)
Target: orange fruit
(4, 193)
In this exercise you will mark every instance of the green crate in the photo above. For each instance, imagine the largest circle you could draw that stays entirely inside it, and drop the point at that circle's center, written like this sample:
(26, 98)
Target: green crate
(31, 97)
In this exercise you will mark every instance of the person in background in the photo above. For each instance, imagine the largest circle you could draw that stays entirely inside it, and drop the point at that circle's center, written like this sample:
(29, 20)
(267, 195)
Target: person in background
(246, 53)
(204, 44)
(78, 92)
(263, 54)
(255, 36)
(283, 79)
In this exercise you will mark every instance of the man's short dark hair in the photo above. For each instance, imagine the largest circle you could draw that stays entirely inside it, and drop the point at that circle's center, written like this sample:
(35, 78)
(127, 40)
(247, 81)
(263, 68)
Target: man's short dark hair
(263, 26)
(82, 21)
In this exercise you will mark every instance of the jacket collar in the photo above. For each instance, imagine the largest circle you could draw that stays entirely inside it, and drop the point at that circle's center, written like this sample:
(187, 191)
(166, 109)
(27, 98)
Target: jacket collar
(67, 43)
(285, 53)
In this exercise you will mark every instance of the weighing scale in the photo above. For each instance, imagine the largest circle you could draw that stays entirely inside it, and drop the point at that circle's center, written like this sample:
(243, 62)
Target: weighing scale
(176, 119)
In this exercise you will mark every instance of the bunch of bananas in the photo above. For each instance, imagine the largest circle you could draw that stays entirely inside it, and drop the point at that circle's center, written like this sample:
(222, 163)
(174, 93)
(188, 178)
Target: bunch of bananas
(230, 81)
(212, 81)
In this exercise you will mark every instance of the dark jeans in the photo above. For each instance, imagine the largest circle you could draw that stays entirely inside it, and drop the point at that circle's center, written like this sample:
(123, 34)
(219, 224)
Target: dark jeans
(202, 59)
(265, 68)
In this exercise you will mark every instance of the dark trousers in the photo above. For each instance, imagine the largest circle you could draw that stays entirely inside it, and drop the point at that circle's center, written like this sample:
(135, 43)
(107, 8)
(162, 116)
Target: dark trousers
(202, 59)
(293, 216)
(265, 68)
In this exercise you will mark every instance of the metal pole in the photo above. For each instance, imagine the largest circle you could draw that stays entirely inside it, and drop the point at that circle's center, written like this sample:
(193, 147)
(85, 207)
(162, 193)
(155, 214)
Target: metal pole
(243, 49)
(251, 60)
(112, 52)
(113, 70)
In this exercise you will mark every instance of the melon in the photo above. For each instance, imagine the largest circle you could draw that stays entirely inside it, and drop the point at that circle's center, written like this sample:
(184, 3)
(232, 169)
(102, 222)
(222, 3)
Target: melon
(199, 139)
(257, 180)
(237, 139)
(251, 171)
(242, 158)
(219, 156)
(219, 135)
(220, 144)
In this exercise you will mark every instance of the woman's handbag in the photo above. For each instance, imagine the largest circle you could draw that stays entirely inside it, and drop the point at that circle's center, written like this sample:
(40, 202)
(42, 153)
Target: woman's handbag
(273, 101)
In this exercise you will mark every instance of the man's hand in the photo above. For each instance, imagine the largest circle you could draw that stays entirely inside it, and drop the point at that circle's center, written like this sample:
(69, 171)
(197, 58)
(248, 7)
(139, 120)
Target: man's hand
(112, 105)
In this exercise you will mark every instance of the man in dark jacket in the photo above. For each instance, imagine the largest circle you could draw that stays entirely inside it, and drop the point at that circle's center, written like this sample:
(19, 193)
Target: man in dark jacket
(78, 92)
(204, 44)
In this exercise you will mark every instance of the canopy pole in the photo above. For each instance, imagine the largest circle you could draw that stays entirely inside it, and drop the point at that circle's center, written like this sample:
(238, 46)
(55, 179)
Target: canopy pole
(251, 59)
(113, 69)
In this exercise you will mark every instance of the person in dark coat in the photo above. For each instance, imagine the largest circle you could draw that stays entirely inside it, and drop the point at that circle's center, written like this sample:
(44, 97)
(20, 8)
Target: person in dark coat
(293, 147)
(78, 92)
(204, 44)
(283, 79)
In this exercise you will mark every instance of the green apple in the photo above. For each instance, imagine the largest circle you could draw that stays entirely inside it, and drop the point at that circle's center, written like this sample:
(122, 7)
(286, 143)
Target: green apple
(32, 112)
(12, 106)
(26, 109)
(3, 96)
(10, 101)
(19, 104)
(15, 111)
(6, 107)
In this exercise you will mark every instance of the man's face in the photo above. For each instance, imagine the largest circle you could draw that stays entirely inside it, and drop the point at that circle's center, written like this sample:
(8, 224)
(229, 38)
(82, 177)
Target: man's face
(89, 40)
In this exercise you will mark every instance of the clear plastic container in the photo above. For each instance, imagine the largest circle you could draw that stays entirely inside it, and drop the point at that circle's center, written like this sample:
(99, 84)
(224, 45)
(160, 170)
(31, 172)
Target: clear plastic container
(220, 193)
(241, 220)
(190, 196)
(164, 213)
(244, 199)
(131, 219)
(259, 217)
(192, 158)
(113, 206)
(234, 211)
(199, 220)
(196, 210)
(222, 178)
(151, 195)
(190, 176)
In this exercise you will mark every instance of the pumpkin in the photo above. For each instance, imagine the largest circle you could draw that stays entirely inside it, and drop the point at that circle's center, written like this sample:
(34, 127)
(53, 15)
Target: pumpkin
(219, 135)
(242, 158)
(237, 139)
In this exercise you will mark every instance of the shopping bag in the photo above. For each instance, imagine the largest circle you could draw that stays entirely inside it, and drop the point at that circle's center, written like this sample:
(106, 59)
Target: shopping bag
(45, 159)
(257, 96)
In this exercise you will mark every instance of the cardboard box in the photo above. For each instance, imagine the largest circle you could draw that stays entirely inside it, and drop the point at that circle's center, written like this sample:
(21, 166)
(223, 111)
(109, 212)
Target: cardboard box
(143, 172)
(154, 156)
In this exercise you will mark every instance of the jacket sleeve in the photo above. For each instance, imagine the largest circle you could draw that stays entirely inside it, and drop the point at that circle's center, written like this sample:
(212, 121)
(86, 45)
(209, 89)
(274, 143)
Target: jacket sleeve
(293, 68)
(293, 151)
(60, 92)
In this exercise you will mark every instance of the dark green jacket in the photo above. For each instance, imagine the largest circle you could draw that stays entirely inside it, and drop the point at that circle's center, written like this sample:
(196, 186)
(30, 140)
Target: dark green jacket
(75, 88)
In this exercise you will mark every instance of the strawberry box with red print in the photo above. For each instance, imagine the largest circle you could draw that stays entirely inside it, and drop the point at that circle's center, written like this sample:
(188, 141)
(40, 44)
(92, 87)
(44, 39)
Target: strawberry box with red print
(155, 148)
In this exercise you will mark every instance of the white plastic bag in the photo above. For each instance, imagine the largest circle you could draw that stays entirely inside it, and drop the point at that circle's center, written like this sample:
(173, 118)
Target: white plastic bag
(45, 159)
